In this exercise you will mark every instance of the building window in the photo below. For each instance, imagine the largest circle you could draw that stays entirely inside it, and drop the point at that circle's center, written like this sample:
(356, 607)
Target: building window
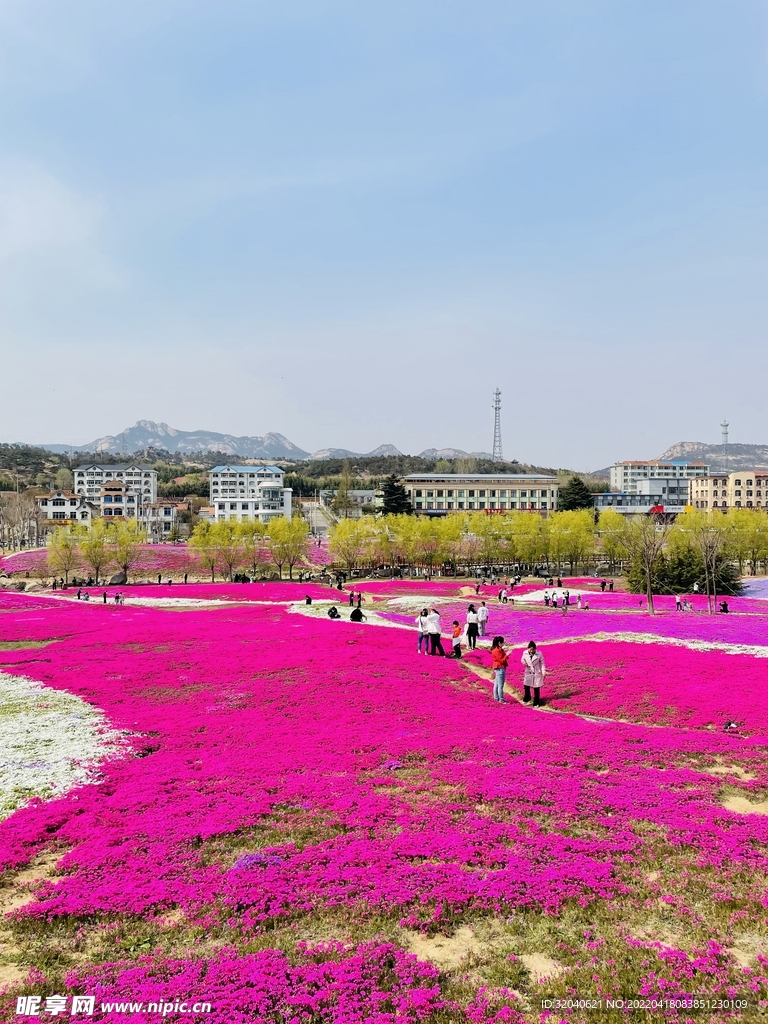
(460, 494)
(513, 504)
(244, 506)
(440, 494)
(449, 494)
(450, 504)
(59, 515)
(419, 504)
(222, 506)
(430, 504)
(502, 494)
(233, 506)
(523, 494)
(471, 494)
(461, 504)
(481, 494)
(430, 494)
(481, 504)
(470, 504)
(513, 494)
(543, 504)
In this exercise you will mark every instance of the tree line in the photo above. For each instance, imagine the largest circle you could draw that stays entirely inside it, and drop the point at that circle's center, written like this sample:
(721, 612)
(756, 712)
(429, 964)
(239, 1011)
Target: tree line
(711, 549)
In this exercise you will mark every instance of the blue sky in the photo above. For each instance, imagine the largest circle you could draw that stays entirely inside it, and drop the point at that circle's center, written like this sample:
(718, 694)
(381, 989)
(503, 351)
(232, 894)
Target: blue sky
(350, 222)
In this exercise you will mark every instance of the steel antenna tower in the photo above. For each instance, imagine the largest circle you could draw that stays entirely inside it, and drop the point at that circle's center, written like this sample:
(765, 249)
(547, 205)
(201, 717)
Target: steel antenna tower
(497, 455)
(724, 427)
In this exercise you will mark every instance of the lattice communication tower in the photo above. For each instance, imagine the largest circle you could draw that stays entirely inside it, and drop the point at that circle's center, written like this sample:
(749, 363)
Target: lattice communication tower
(724, 427)
(497, 455)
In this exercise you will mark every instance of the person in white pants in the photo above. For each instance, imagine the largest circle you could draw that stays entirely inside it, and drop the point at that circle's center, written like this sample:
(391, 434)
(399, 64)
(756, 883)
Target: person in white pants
(482, 617)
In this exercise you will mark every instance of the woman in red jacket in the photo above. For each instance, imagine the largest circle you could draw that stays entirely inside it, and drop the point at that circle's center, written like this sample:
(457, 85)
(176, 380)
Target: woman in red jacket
(499, 662)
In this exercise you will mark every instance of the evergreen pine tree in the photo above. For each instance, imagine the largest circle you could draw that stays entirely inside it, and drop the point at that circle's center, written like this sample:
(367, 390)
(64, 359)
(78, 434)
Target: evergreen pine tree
(396, 500)
(574, 495)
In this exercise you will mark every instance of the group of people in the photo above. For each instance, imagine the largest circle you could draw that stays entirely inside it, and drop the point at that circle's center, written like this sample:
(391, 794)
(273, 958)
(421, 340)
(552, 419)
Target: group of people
(356, 615)
(429, 637)
(118, 597)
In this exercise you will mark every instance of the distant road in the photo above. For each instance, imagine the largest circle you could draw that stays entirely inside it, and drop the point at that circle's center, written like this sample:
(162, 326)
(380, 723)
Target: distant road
(319, 520)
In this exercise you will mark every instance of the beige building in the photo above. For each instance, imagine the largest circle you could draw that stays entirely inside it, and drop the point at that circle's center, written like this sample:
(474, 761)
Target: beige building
(440, 493)
(743, 489)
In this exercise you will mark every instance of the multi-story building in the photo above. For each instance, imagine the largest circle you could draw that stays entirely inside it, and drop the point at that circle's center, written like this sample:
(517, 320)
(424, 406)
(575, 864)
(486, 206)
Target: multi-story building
(141, 480)
(249, 492)
(440, 493)
(117, 498)
(664, 494)
(161, 517)
(65, 506)
(742, 489)
(671, 477)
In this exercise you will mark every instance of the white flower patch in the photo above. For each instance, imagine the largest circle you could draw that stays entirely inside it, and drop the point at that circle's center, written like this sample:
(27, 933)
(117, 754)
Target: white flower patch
(50, 741)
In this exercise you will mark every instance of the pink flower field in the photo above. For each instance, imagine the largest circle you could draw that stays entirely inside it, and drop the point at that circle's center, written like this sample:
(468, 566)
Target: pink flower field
(309, 822)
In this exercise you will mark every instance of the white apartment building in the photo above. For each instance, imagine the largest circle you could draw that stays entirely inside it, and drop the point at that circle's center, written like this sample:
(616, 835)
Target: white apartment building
(742, 489)
(249, 492)
(440, 493)
(66, 507)
(141, 480)
(670, 477)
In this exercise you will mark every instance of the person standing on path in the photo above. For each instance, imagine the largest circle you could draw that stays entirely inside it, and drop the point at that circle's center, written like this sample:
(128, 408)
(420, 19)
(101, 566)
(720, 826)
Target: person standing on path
(499, 662)
(422, 624)
(535, 670)
(433, 628)
(472, 627)
(482, 617)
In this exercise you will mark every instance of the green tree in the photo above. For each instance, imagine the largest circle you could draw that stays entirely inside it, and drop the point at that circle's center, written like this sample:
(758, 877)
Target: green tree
(396, 500)
(348, 541)
(255, 554)
(645, 540)
(612, 528)
(63, 479)
(288, 539)
(63, 551)
(342, 503)
(127, 538)
(94, 547)
(226, 538)
(575, 495)
(203, 543)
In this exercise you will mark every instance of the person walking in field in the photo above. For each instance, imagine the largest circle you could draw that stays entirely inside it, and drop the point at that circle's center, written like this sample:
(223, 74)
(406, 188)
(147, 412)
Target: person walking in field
(472, 627)
(499, 662)
(482, 617)
(456, 639)
(433, 628)
(422, 624)
(535, 671)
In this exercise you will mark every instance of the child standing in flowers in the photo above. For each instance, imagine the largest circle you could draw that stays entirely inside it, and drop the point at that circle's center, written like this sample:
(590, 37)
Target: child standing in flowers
(535, 670)
(499, 662)
(456, 638)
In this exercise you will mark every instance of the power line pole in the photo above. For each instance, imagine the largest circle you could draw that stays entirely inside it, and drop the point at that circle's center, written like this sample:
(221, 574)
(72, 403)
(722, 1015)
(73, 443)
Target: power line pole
(497, 455)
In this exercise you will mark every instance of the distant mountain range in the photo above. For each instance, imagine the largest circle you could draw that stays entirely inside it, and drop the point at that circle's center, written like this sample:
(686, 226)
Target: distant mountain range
(148, 434)
(717, 457)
